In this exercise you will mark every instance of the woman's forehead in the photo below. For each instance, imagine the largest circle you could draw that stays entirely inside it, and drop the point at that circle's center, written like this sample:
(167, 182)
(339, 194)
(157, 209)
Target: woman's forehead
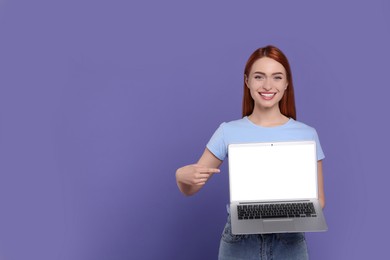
(268, 66)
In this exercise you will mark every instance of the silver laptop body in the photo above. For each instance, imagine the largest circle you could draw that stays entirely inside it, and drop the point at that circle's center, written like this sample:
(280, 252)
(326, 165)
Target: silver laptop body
(272, 186)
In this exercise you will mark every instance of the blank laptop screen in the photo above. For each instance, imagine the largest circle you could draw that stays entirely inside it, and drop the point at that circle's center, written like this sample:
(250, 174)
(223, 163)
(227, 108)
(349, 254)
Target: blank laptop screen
(272, 171)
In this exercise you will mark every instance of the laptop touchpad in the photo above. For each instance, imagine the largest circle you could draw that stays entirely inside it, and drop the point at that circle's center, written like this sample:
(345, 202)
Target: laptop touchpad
(275, 225)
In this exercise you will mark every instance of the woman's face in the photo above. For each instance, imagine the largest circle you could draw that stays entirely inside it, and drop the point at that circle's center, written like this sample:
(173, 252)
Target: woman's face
(267, 82)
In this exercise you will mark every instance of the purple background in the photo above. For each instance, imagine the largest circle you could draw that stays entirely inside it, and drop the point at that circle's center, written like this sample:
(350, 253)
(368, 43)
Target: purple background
(101, 101)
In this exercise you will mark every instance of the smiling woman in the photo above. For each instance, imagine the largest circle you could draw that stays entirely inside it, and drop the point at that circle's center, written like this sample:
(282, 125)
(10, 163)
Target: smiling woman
(267, 83)
(269, 115)
(280, 65)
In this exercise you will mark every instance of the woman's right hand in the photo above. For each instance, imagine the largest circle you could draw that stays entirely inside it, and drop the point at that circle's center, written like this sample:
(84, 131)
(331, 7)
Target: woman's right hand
(195, 174)
(191, 178)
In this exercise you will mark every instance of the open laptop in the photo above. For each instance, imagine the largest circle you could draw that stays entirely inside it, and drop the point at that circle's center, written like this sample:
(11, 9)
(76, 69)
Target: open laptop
(273, 188)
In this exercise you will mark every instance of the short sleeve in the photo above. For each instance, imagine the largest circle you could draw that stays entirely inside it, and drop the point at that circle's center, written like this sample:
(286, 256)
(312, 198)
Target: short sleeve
(320, 152)
(217, 144)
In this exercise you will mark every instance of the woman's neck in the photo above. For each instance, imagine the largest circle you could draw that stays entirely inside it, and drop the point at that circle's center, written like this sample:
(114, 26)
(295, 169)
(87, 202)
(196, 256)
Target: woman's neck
(268, 118)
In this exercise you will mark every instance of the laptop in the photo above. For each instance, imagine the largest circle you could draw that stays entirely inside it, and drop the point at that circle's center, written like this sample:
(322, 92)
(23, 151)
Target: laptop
(273, 188)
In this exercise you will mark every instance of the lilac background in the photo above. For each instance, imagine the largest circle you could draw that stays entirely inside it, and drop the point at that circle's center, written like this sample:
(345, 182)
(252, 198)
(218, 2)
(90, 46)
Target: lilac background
(101, 101)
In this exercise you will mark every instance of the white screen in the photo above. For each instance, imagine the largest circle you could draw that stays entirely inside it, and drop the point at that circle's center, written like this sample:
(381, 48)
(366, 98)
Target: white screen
(276, 171)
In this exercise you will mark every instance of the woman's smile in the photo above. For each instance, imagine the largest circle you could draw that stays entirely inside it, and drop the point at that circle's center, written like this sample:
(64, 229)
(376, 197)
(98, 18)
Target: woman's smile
(267, 95)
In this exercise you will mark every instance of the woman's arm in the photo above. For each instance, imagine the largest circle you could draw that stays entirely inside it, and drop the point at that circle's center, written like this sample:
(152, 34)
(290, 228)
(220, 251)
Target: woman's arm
(321, 194)
(191, 178)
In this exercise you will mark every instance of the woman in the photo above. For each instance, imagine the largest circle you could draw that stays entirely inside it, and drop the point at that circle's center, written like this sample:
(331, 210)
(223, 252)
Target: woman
(268, 115)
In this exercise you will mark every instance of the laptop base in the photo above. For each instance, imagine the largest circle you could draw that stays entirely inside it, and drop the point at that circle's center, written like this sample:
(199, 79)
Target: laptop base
(277, 225)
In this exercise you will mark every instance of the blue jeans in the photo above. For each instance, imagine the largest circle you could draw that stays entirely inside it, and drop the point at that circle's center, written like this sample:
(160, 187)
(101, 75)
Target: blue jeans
(262, 246)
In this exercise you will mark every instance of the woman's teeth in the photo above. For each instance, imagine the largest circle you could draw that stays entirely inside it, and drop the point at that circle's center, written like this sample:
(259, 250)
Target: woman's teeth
(267, 94)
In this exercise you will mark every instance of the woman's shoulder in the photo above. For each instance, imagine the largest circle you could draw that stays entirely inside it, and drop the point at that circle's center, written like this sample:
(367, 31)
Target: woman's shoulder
(235, 123)
(301, 125)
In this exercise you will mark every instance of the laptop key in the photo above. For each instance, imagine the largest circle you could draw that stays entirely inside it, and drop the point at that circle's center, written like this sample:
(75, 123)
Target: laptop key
(274, 216)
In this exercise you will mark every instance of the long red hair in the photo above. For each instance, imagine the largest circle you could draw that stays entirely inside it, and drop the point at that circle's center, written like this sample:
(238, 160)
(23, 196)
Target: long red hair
(287, 103)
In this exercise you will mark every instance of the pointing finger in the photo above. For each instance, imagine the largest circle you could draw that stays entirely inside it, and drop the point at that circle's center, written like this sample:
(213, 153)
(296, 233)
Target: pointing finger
(210, 170)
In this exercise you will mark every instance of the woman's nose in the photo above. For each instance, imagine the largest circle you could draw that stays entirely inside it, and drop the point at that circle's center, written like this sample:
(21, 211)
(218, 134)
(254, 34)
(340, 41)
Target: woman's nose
(267, 85)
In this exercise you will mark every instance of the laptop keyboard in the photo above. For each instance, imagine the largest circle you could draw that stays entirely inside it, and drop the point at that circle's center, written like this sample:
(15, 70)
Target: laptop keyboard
(277, 210)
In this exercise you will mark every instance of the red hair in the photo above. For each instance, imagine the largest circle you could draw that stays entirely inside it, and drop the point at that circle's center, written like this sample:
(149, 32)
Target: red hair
(287, 103)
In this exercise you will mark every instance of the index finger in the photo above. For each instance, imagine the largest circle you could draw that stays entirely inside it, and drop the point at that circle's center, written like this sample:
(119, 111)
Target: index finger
(211, 170)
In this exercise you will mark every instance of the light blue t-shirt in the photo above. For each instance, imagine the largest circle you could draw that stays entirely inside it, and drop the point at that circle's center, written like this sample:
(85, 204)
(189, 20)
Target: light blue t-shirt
(245, 131)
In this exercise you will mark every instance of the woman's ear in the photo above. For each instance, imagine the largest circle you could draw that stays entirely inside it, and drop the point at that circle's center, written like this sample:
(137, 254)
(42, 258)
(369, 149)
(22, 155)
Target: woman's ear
(246, 80)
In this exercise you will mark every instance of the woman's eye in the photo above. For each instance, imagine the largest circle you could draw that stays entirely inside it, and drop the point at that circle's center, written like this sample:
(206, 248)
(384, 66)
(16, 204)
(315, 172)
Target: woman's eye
(259, 77)
(278, 78)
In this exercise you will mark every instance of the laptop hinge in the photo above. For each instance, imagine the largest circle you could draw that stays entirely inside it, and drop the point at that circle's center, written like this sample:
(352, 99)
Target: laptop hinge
(275, 201)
